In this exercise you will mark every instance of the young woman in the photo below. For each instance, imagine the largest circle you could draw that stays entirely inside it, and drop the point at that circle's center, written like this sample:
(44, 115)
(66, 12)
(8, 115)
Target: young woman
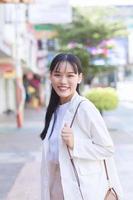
(88, 140)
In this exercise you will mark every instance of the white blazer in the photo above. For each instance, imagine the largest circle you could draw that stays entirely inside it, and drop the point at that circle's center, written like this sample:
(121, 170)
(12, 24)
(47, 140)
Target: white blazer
(92, 144)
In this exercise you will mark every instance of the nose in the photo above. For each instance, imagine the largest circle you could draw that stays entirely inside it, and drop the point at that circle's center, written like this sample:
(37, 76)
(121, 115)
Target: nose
(63, 79)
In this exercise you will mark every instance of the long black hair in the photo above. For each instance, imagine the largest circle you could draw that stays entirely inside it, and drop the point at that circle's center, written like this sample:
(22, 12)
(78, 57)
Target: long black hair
(54, 98)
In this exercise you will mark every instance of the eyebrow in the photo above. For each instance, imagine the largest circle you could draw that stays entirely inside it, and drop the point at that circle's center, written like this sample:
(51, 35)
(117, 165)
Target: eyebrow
(66, 72)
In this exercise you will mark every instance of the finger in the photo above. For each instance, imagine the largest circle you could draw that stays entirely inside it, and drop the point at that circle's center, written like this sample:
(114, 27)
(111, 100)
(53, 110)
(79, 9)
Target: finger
(66, 124)
(66, 140)
(66, 130)
(66, 134)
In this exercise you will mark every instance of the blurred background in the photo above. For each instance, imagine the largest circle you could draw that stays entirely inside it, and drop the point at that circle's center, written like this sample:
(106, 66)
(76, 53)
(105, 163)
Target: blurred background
(32, 32)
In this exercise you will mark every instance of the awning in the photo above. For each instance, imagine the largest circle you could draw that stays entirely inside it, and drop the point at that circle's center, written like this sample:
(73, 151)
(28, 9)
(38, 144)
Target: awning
(6, 63)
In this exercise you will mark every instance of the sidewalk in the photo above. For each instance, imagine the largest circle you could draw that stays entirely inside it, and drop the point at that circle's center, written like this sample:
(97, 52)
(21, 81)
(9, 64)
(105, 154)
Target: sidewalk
(21, 154)
(120, 124)
(27, 184)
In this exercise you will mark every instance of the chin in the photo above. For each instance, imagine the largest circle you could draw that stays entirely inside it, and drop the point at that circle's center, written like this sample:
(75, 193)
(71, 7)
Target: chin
(63, 94)
(66, 97)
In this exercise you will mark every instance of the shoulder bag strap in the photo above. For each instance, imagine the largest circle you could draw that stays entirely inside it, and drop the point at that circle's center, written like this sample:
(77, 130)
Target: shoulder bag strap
(106, 171)
(71, 159)
(107, 175)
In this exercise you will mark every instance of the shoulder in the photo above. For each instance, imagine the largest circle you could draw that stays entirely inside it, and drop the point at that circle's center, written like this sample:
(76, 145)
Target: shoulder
(86, 103)
(87, 108)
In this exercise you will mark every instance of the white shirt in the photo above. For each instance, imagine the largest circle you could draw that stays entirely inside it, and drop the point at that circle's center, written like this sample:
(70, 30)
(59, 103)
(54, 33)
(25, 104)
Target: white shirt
(53, 140)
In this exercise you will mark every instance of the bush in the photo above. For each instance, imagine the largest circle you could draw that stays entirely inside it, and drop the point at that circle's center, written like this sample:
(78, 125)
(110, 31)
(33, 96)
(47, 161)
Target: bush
(103, 98)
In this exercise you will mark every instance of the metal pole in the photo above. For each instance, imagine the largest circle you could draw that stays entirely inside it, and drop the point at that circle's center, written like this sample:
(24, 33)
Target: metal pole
(20, 93)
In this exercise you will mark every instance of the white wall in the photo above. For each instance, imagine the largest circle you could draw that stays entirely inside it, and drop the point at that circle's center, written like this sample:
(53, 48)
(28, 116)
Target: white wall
(10, 94)
(7, 95)
(1, 20)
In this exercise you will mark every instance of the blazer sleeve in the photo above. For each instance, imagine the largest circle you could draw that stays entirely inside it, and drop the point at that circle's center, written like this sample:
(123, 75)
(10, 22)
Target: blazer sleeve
(98, 145)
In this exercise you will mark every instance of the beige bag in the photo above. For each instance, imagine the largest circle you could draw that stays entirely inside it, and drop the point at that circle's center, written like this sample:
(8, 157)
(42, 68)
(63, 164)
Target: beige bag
(111, 195)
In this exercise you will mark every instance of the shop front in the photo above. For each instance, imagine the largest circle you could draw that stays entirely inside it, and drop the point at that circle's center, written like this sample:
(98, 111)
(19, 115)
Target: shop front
(7, 84)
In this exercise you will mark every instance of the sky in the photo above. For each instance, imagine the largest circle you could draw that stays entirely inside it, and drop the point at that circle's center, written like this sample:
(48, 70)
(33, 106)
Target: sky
(101, 2)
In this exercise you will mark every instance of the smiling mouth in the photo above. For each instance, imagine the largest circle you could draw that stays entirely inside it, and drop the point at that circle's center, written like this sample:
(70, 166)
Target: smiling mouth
(62, 88)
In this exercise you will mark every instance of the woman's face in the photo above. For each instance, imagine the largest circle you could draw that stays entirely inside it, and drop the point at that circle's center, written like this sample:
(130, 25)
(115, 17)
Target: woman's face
(64, 81)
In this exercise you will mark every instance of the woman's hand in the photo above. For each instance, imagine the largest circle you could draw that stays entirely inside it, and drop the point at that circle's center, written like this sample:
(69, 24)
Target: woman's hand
(67, 136)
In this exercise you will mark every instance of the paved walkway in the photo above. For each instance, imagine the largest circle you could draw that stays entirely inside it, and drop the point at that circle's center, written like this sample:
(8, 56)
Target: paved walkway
(27, 184)
(120, 124)
(20, 155)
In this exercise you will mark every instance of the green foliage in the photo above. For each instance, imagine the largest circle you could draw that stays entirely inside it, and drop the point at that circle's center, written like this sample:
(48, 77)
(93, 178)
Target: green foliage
(97, 69)
(103, 98)
(90, 26)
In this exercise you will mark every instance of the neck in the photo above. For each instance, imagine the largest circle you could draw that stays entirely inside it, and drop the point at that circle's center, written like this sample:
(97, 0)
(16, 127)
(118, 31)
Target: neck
(67, 99)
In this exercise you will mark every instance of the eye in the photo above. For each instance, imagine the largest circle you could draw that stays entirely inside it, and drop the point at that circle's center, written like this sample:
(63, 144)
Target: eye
(57, 74)
(71, 75)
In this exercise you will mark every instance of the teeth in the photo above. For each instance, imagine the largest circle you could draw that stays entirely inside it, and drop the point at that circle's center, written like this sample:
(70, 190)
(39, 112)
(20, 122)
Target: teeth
(62, 88)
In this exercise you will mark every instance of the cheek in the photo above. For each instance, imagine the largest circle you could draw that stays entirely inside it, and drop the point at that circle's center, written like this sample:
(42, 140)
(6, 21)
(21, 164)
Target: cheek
(53, 80)
(74, 85)
(75, 82)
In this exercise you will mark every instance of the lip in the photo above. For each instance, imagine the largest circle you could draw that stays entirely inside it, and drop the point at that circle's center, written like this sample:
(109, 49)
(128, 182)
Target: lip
(63, 88)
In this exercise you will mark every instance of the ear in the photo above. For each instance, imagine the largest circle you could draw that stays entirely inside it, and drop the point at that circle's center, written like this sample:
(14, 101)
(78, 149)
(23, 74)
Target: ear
(80, 78)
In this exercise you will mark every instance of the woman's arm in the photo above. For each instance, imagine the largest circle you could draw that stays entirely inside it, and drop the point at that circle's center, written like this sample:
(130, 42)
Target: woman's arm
(98, 144)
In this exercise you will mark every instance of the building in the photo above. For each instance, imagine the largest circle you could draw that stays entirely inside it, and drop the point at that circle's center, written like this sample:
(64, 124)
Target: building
(7, 84)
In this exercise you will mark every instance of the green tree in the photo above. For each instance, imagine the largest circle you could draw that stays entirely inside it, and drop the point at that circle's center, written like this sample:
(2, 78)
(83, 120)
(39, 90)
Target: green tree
(90, 26)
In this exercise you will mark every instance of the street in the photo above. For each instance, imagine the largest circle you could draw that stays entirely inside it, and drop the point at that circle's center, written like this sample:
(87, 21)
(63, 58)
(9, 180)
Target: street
(20, 152)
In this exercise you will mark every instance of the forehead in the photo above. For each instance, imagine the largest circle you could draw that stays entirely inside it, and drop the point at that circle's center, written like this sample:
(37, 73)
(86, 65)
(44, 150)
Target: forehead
(64, 67)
